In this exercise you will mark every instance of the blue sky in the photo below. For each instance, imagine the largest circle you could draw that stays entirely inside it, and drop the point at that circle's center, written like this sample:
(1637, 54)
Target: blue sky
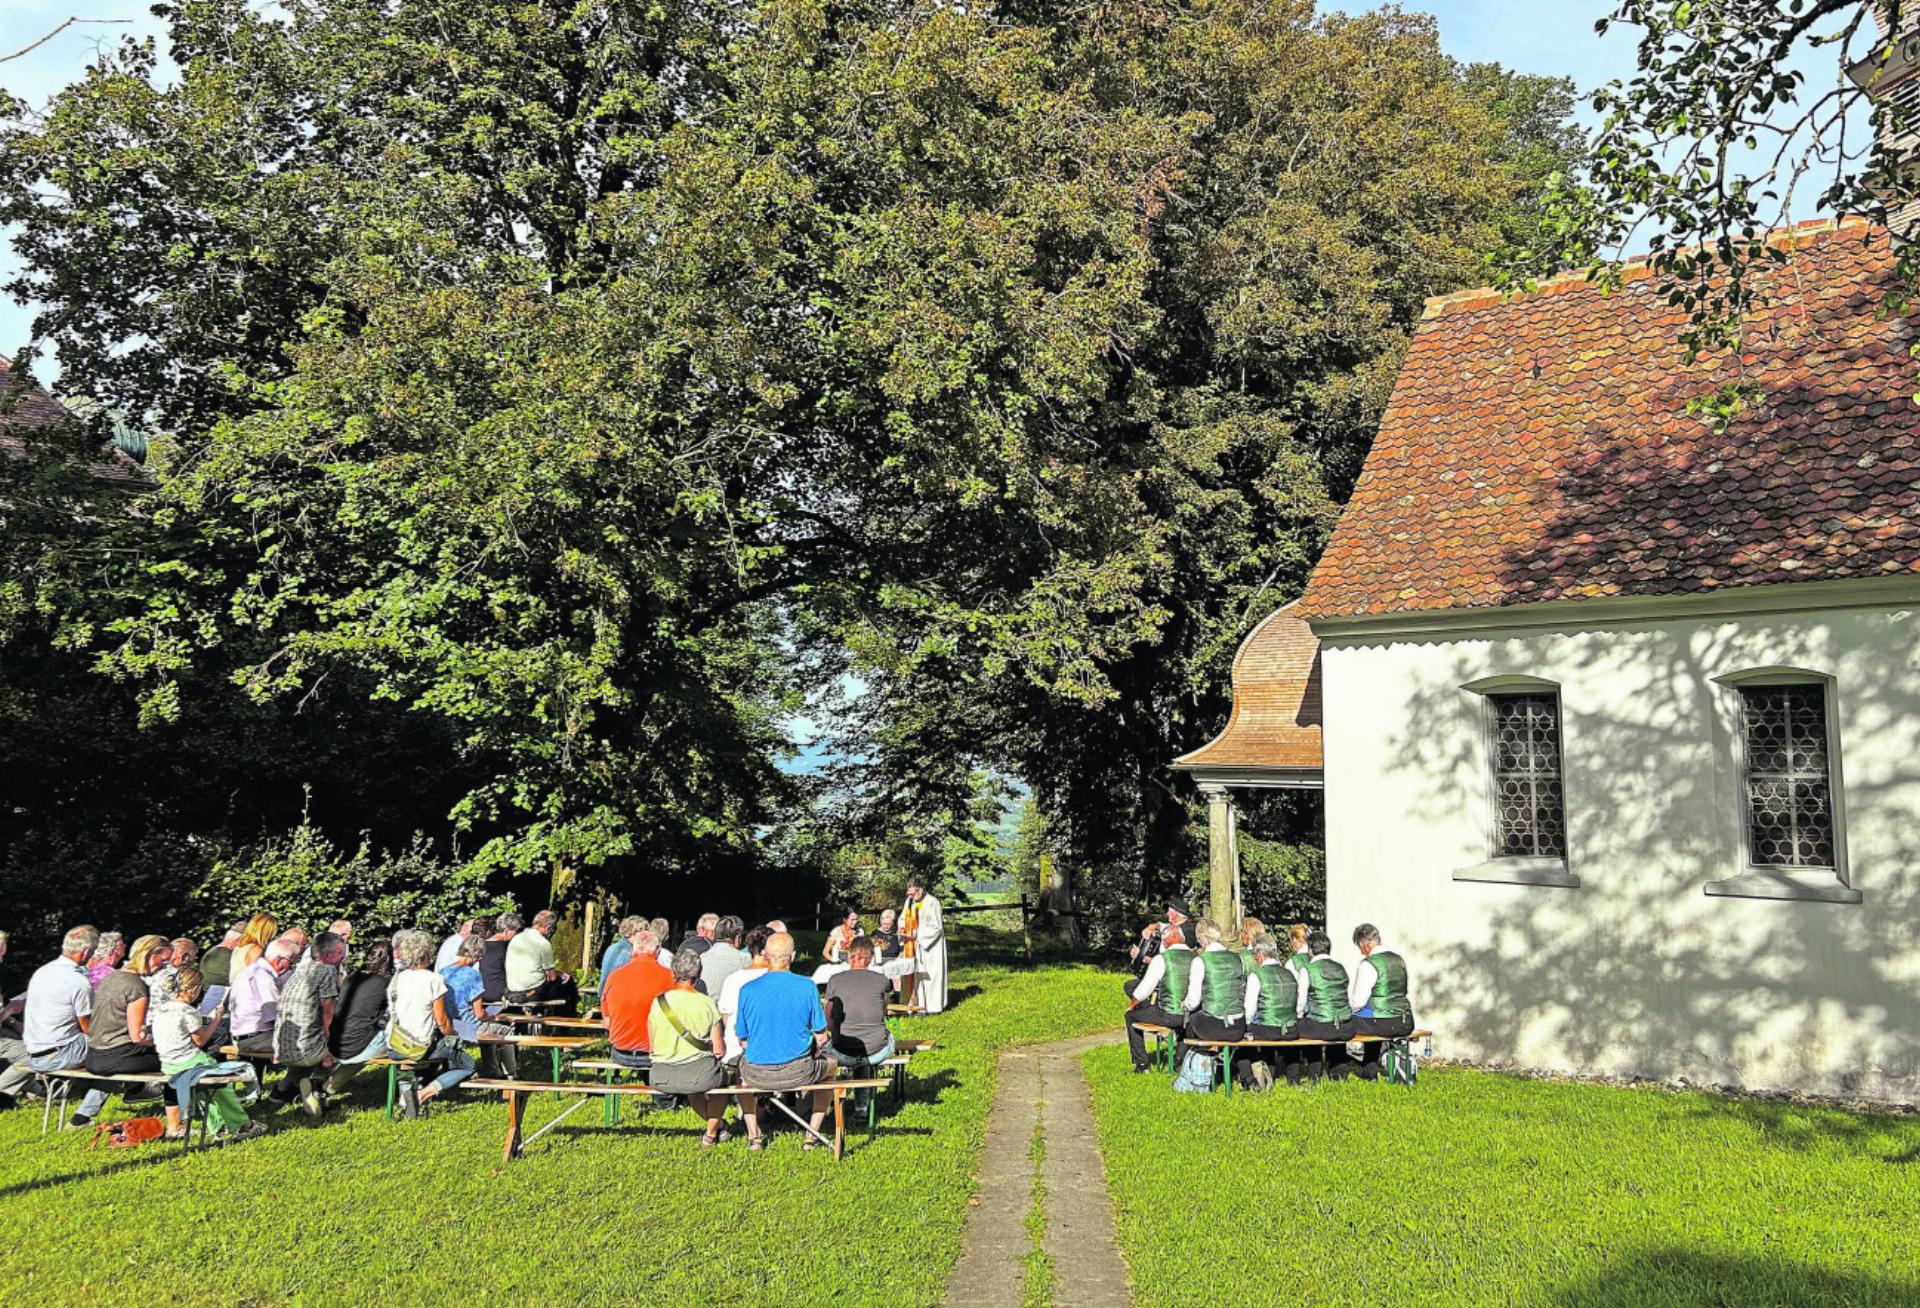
(1538, 36)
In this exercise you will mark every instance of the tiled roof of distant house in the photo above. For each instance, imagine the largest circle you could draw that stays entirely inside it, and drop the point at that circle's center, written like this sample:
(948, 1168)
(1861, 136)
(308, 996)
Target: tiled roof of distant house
(1539, 447)
(32, 407)
(1276, 702)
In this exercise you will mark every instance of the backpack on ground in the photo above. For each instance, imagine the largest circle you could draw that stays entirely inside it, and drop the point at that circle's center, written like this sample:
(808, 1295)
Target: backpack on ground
(1396, 1061)
(133, 1131)
(1197, 1069)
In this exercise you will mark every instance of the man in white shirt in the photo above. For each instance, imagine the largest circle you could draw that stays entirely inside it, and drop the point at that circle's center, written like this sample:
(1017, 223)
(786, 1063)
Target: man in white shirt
(58, 1013)
(531, 975)
(449, 953)
(1380, 1003)
(255, 997)
(1160, 993)
(728, 1001)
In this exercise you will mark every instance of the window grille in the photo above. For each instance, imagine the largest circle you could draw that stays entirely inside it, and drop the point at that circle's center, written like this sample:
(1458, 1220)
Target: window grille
(1529, 805)
(1789, 790)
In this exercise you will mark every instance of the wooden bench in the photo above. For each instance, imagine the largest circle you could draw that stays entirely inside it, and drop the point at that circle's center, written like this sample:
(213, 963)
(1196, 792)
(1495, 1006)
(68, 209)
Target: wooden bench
(840, 1087)
(1161, 1055)
(1225, 1048)
(516, 1093)
(527, 1005)
(559, 1045)
(60, 1092)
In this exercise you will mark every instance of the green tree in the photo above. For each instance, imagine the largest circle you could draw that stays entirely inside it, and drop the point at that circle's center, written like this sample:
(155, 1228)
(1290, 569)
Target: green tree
(1332, 173)
(584, 385)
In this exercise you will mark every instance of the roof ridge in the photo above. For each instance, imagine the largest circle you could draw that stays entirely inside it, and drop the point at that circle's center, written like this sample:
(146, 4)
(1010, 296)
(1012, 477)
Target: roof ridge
(1634, 269)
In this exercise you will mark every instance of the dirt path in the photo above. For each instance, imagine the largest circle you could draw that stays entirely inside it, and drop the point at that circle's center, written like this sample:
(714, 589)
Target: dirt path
(1043, 1091)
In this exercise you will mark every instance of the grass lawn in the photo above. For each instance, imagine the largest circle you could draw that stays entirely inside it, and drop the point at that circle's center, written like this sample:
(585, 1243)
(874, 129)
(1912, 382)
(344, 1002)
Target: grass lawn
(1477, 1188)
(355, 1210)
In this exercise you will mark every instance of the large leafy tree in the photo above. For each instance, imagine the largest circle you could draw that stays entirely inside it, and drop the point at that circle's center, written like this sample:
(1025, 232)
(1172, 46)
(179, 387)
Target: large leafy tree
(585, 382)
(1333, 172)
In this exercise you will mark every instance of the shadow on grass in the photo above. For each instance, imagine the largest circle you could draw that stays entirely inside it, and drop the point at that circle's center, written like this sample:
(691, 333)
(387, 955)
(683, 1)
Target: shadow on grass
(1685, 1276)
(1805, 1126)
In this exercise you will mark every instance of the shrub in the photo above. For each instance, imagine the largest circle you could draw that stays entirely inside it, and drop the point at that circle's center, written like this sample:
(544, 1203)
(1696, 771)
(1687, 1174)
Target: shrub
(304, 878)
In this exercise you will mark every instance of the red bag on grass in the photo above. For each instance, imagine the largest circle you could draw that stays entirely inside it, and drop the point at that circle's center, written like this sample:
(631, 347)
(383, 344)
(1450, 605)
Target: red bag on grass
(133, 1131)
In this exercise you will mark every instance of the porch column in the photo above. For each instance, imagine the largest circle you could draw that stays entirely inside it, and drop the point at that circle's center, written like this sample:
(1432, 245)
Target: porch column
(1222, 858)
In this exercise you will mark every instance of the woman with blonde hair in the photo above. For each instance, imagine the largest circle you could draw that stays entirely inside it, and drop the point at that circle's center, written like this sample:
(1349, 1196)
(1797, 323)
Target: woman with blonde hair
(118, 1041)
(261, 931)
(1298, 956)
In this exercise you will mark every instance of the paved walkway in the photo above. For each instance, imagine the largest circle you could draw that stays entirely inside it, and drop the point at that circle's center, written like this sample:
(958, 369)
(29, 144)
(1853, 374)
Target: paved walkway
(1042, 1086)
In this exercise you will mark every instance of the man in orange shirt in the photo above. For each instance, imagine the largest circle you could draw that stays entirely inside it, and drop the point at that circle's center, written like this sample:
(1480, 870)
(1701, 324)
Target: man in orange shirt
(626, 997)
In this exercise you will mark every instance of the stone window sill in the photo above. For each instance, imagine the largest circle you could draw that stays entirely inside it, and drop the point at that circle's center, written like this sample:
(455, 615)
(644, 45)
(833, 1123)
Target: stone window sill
(1764, 883)
(1520, 872)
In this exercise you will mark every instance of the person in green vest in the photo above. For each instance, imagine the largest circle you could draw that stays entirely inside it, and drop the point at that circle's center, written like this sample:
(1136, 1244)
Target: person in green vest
(1298, 956)
(1251, 929)
(1325, 1013)
(1274, 997)
(1216, 993)
(1380, 1003)
(1158, 997)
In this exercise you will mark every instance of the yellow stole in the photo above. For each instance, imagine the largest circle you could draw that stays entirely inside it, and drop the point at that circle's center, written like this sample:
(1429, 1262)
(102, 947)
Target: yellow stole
(910, 928)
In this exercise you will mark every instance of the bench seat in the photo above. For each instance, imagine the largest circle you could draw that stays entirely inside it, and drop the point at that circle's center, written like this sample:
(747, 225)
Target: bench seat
(1225, 1048)
(517, 1092)
(60, 1084)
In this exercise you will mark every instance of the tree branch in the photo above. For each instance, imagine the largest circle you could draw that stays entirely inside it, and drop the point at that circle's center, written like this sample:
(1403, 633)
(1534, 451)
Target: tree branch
(71, 22)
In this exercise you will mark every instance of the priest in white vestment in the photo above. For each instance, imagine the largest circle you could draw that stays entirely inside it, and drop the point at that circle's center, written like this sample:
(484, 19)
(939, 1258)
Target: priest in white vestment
(920, 924)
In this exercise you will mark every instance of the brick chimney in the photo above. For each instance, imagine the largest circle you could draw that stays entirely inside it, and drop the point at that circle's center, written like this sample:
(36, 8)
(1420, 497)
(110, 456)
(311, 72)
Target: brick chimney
(1890, 75)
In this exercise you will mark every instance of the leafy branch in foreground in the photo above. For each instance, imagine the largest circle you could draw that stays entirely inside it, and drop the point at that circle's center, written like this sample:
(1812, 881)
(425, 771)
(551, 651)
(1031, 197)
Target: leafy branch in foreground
(1740, 113)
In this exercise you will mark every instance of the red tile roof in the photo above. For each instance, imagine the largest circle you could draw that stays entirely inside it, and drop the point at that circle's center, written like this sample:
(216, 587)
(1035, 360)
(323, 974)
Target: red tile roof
(1276, 701)
(33, 408)
(1538, 448)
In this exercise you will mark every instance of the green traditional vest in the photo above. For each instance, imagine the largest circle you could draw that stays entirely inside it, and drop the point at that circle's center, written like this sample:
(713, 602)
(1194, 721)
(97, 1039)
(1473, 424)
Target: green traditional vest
(1300, 961)
(1279, 996)
(1389, 998)
(1173, 985)
(1225, 992)
(1246, 960)
(1327, 992)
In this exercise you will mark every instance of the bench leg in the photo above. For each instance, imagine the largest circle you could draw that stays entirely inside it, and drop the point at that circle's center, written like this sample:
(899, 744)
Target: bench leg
(610, 1115)
(515, 1099)
(1226, 1069)
(839, 1123)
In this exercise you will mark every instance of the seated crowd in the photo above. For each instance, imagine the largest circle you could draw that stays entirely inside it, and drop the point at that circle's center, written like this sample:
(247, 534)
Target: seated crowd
(691, 1021)
(1263, 990)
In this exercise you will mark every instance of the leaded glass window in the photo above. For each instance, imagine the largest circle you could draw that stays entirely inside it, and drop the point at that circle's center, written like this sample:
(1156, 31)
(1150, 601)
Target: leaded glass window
(1789, 788)
(1529, 806)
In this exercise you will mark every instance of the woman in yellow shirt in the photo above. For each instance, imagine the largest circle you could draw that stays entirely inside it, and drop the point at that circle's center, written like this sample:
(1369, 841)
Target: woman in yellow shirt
(686, 1037)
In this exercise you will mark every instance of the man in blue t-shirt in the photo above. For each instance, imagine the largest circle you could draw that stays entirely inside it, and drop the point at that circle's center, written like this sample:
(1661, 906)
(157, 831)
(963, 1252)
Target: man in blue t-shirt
(783, 1028)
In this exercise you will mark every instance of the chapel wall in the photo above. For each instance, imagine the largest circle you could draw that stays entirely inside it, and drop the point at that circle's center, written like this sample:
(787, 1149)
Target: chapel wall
(1637, 971)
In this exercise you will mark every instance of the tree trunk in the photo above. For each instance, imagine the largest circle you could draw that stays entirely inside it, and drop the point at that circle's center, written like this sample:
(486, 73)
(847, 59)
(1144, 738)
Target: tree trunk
(1056, 896)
